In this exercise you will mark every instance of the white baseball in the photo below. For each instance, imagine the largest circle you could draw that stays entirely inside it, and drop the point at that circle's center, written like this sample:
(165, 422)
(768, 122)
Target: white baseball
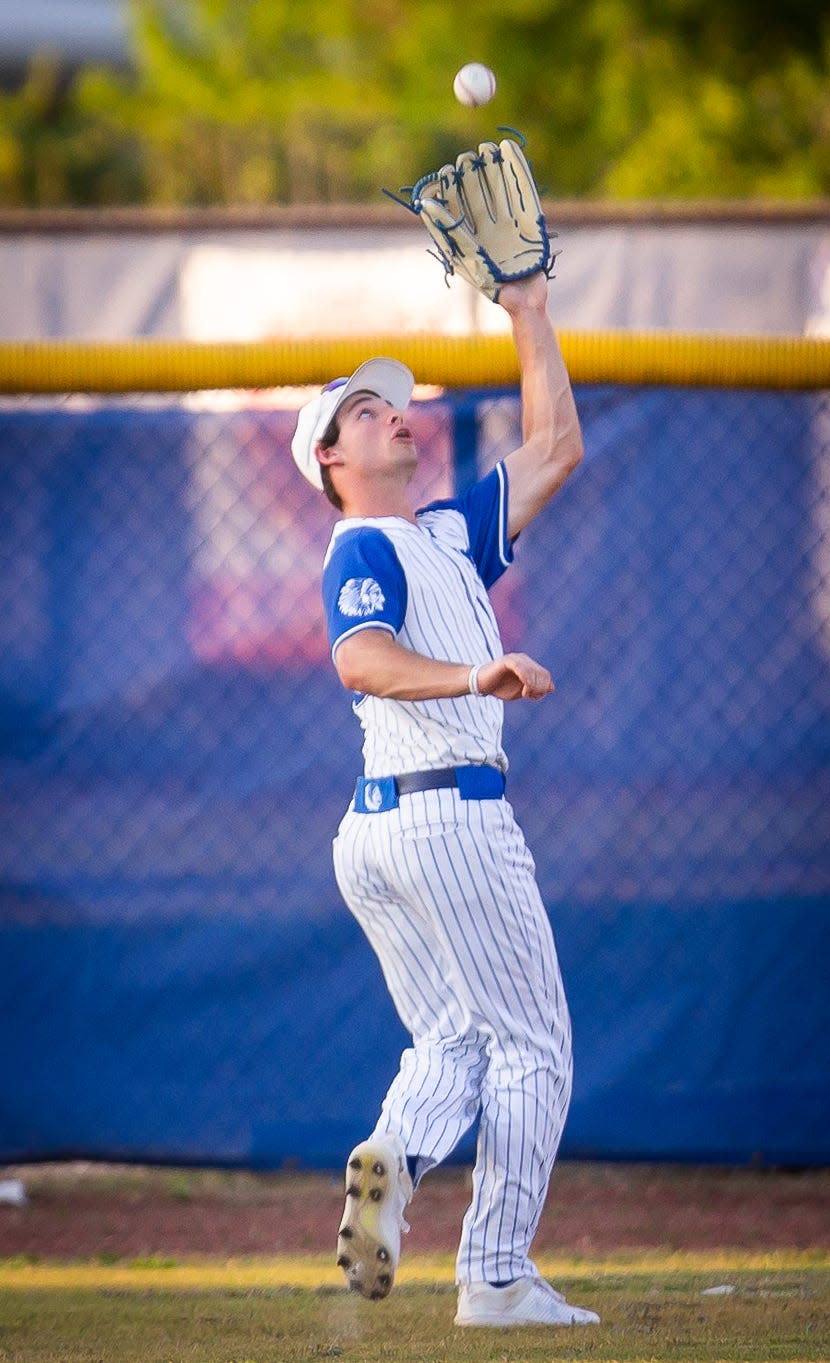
(474, 85)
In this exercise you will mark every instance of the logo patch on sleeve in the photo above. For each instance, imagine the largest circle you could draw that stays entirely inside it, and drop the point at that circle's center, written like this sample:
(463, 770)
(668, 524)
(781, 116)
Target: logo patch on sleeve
(360, 596)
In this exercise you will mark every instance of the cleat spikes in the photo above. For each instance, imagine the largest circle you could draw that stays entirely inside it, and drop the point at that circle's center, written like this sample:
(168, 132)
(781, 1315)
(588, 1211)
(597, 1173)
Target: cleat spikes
(378, 1188)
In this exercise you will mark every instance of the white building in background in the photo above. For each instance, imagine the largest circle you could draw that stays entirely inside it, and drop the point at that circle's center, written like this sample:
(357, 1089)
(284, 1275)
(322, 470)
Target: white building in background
(294, 272)
(74, 31)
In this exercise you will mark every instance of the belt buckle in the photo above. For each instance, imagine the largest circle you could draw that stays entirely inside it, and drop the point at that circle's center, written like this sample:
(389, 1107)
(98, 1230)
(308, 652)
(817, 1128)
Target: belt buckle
(375, 794)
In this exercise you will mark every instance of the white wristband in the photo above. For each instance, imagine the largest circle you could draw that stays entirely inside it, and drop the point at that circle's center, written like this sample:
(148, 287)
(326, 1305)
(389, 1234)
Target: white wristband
(472, 680)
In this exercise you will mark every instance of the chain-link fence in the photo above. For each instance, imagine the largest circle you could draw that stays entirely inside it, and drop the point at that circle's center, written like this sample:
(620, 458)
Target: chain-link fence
(181, 979)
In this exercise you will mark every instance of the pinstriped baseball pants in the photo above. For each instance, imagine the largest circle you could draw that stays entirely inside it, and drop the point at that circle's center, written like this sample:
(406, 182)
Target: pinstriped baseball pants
(445, 891)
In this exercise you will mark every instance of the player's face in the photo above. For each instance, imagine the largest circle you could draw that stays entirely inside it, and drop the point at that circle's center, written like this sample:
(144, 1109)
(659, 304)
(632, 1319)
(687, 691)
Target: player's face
(374, 435)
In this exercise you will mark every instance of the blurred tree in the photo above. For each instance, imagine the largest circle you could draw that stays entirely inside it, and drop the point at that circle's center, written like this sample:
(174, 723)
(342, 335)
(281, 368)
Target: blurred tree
(52, 154)
(257, 101)
(680, 98)
(250, 101)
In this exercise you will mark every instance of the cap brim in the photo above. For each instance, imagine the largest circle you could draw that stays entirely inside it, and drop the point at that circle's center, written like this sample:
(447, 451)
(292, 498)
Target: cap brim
(391, 381)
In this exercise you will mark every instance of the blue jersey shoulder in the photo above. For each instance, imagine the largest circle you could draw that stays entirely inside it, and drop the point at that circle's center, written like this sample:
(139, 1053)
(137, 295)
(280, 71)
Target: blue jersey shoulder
(484, 508)
(364, 586)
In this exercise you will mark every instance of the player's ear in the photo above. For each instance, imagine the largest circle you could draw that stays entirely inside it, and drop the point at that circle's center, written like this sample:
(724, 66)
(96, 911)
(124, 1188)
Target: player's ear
(328, 454)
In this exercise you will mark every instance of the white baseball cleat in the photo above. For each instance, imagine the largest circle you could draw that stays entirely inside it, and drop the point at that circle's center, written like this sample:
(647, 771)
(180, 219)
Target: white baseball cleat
(378, 1187)
(528, 1301)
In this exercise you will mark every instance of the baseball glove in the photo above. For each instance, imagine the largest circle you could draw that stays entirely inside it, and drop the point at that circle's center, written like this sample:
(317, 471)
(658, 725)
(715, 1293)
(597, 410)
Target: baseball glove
(485, 217)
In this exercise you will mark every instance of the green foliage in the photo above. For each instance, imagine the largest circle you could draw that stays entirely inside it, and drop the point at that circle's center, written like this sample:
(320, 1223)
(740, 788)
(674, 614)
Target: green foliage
(260, 101)
(52, 154)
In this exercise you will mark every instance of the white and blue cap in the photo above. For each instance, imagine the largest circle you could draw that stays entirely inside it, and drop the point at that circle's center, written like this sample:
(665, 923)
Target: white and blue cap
(391, 381)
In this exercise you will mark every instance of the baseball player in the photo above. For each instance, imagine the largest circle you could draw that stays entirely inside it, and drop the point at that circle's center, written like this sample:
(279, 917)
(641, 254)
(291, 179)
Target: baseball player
(429, 857)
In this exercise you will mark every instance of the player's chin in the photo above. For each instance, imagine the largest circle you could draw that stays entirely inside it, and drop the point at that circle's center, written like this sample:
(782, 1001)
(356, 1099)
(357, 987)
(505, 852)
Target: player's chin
(406, 452)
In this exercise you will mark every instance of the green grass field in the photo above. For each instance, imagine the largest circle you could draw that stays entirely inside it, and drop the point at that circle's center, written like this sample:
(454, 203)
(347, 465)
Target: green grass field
(652, 1307)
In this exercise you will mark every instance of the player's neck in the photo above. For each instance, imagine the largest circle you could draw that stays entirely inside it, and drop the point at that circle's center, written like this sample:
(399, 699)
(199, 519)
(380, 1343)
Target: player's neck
(378, 500)
(378, 513)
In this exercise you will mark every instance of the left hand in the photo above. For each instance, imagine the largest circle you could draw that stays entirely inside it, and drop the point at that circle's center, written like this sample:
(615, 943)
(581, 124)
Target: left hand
(514, 677)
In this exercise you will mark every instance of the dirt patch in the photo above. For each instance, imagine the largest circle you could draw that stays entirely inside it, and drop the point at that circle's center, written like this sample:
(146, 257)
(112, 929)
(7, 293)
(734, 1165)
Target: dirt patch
(92, 1211)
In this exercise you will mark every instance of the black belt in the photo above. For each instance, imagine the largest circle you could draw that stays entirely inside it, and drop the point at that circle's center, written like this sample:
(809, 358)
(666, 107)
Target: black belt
(413, 781)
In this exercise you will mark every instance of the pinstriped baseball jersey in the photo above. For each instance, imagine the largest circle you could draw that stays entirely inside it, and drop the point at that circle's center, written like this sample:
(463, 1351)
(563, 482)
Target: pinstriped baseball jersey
(426, 584)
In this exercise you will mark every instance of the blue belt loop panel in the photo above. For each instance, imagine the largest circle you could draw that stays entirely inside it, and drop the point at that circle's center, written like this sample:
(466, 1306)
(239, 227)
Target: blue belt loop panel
(480, 783)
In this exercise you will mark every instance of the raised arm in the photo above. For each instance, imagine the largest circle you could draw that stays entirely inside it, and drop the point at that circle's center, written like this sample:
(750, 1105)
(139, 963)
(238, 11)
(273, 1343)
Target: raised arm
(551, 439)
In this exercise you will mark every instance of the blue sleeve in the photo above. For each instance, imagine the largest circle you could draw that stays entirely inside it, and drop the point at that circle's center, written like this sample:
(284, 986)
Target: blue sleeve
(484, 508)
(364, 586)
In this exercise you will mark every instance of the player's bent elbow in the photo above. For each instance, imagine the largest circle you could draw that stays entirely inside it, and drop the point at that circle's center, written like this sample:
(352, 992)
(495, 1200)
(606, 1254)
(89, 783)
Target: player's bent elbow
(361, 661)
(366, 683)
(349, 673)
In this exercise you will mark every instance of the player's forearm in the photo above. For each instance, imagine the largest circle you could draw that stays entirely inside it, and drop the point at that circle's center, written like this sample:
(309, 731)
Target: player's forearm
(552, 441)
(550, 424)
(375, 664)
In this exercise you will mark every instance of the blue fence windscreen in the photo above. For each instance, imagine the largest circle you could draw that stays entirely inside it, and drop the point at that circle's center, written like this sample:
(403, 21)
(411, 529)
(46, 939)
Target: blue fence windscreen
(180, 981)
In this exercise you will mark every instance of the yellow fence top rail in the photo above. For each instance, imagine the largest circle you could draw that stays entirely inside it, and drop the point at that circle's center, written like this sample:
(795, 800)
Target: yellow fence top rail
(621, 357)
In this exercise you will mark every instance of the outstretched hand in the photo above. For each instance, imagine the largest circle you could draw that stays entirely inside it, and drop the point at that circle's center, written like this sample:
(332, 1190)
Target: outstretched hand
(514, 677)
